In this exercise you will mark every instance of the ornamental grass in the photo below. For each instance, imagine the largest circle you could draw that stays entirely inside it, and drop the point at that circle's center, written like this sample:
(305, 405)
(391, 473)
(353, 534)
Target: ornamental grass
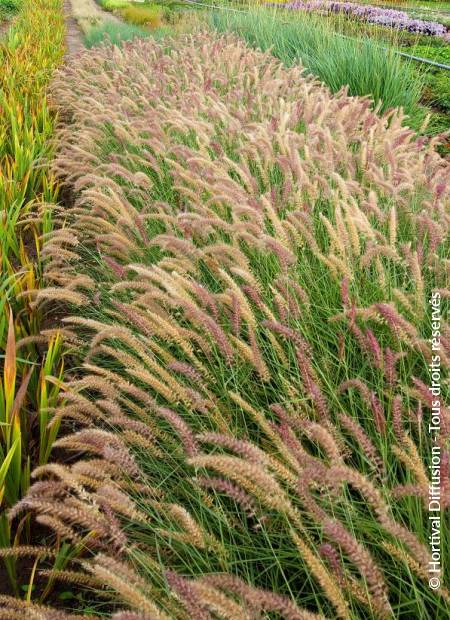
(246, 266)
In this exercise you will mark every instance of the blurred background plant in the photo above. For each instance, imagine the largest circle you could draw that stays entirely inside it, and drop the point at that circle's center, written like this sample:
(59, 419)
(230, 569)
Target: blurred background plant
(361, 65)
(113, 33)
(149, 15)
(8, 8)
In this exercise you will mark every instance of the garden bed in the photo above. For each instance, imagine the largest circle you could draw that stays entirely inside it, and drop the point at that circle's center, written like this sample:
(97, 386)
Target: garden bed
(247, 356)
(241, 261)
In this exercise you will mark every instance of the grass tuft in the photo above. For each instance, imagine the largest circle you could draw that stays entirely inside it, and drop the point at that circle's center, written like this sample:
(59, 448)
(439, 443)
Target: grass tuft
(362, 66)
(250, 261)
(147, 15)
(114, 33)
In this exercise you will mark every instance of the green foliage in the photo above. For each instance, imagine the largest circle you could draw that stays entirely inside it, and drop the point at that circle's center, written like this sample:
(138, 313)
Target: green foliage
(437, 81)
(361, 65)
(437, 92)
(9, 8)
(145, 15)
(437, 53)
(112, 32)
(111, 5)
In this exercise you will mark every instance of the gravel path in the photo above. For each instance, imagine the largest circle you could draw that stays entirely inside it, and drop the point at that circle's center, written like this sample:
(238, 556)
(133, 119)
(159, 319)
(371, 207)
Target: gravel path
(80, 16)
(74, 36)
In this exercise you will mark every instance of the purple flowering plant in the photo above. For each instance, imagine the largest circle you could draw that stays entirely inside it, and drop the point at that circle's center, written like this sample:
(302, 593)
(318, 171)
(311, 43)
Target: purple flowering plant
(372, 14)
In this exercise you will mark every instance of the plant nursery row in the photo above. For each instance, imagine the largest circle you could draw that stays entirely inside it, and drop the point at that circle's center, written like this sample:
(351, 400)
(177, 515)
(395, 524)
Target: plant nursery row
(224, 312)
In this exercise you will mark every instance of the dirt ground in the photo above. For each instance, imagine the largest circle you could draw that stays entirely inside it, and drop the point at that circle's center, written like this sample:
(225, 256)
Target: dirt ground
(74, 36)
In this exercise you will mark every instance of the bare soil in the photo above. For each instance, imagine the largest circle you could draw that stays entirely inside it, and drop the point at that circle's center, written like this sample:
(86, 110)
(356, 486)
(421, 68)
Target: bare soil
(74, 36)
(4, 27)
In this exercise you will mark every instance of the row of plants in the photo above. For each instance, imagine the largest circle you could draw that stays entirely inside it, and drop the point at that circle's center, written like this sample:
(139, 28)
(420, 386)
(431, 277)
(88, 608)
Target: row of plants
(372, 14)
(436, 92)
(428, 7)
(248, 261)
(341, 51)
(136, 13)
(355, 27)
(150, 15)
(425, 13)
(114, 33)
(144, 19)
(435, 81)
(313, 40)
(362, 66)
(31, 50)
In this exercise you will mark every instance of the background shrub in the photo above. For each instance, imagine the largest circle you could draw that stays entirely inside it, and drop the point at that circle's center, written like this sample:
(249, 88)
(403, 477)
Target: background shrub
(148, 15)
(112, 32)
